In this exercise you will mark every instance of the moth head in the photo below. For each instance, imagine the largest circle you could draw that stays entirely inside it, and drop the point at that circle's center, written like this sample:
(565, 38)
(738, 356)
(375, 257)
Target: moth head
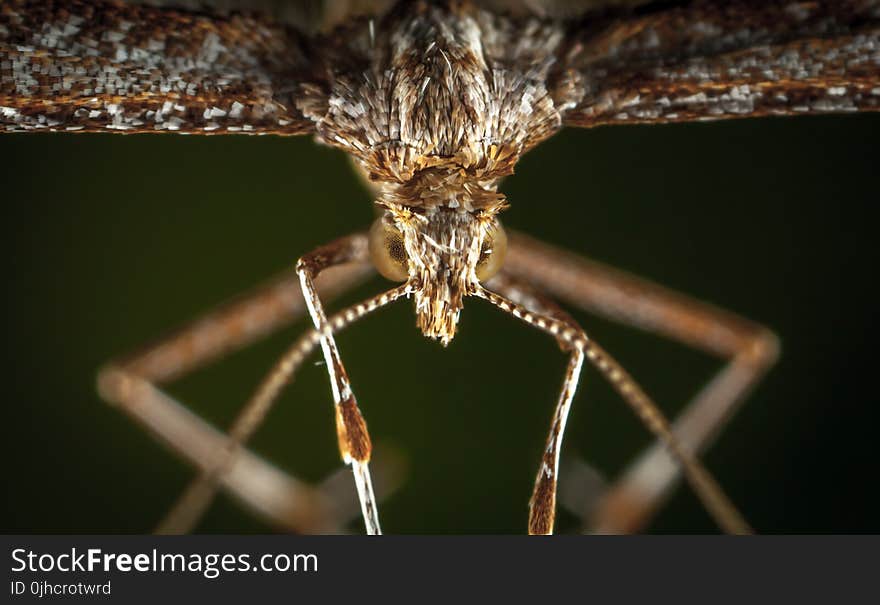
(442, 253)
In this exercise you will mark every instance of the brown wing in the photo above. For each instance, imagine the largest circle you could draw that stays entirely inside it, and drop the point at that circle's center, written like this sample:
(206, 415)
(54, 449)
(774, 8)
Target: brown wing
(708, 60)
(103, 66)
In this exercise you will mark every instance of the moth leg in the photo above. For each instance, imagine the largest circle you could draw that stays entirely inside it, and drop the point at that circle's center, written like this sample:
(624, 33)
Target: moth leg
(351, 429)
(196, 499)
(132, 383)
(282, 499)
(236, 324)
(749, 350)
(529, 305)
(572, 339)
(192, 504)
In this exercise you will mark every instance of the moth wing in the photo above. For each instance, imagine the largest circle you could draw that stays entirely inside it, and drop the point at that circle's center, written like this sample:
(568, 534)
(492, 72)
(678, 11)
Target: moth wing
(77, 65)
(724, 59)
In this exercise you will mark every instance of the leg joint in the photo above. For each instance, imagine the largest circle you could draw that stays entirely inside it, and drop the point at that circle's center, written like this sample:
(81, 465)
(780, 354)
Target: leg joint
(303, 265)
(762, 347)
(114, 384)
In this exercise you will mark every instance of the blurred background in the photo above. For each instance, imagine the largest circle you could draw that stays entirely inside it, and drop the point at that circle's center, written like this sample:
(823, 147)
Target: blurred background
(110, 240)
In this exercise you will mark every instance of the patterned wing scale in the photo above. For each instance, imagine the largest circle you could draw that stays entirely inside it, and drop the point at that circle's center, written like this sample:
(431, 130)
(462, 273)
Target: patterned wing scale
(709, 60)
(79, 65)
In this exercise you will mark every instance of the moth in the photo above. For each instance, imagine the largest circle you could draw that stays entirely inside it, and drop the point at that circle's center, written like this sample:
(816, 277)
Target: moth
(435, 102)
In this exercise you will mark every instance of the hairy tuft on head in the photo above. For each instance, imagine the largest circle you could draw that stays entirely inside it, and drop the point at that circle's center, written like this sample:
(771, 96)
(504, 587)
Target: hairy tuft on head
(443, 246)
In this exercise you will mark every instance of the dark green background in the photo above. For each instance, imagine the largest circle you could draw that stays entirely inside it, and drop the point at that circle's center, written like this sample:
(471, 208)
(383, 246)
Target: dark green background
(109, 240)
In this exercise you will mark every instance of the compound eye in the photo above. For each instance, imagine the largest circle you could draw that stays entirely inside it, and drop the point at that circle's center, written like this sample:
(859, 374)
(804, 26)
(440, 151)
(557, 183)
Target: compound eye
(387, 251)
(493, 252)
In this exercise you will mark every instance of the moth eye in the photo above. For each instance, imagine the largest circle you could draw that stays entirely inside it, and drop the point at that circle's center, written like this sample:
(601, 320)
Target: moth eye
(387, 251)
(493, 252)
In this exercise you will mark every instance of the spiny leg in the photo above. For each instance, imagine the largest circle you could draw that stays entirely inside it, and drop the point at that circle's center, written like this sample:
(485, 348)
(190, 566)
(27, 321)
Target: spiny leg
(194, 501)
(542, 506)
(541, 313)
(351, 429)
(750, 349)
(130, 382)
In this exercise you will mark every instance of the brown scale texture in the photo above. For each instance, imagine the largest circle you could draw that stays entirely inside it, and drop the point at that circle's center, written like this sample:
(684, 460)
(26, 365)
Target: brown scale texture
(103, 66)
(543, 507)
(436, 100)
(351, 429)
(714, 60)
